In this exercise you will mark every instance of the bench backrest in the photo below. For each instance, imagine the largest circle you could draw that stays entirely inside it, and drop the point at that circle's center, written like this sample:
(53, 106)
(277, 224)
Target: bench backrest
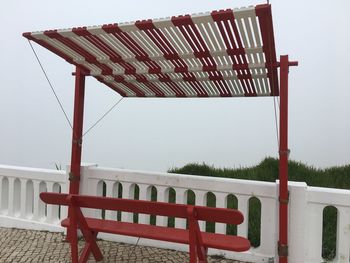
(211, 214)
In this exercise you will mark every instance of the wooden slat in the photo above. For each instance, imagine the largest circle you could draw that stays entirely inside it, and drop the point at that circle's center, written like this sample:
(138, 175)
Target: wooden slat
(221, 215)
(176, 235)
(178, 49)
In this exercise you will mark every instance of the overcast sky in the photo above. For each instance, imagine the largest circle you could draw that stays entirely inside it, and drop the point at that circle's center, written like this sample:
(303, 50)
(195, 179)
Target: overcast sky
(157, 134)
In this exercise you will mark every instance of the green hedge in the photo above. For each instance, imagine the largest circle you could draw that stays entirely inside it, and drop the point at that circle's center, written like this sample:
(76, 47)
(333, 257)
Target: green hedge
(267, 170)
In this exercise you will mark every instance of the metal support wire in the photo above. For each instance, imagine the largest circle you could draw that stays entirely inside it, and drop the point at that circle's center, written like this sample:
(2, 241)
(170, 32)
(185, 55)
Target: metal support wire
(133, 248)
(51, 86)
(103, 116)
(274, 97)
(59, 102)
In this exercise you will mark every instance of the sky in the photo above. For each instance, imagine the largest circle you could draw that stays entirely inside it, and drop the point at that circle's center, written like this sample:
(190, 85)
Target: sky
(158, 134)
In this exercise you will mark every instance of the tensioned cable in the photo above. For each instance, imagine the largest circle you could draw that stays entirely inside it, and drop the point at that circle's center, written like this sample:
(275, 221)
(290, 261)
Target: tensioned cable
(50, 84)
(133, 248)
(103, 116)
(274, 98)
(59, 102)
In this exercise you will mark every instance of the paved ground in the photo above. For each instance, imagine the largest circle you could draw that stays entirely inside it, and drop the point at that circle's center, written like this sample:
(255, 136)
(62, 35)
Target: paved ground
(17, 245)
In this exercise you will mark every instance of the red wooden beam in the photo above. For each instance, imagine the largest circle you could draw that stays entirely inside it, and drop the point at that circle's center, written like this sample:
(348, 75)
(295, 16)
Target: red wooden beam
(74, 175)
(220, 215)
(283, 162)
(264, 14)
(284, 65)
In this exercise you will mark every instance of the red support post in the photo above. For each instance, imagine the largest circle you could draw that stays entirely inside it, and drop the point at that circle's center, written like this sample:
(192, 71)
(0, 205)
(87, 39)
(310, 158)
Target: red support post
(74, 175)
(283, 162)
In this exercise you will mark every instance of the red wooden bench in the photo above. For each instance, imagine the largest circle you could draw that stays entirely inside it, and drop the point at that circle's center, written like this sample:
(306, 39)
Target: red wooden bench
(197, 240)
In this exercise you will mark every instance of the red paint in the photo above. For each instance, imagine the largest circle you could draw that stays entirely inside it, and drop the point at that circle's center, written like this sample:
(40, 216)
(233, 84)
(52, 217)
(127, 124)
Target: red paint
(77, 131)
(197, 43)
(141, 56)
(236, 51)
(56, 51)
(79, 50)
(112, 86)
(157, 37)
(72, 45)
(264, 14)
(138, 92)
(283, 155)
(155, 89)
(224, 20)
(201, 51)
(198, 241)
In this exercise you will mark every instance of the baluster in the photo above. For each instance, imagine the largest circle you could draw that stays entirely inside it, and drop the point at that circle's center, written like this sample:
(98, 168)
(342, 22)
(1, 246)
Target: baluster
(314, 233)
(180, 199)
(11, 197)
(36, 200)
(56, 208)
(64, 209)
(242, 229)
(65, 186)
(144, 194)
(200, 200)
(98, 185)
(127, 194)
(17, 197)
(88, 212)
(29, 199)
(4, 201)
(221, 201)
(23, 198)
(110, 214)
(2, 193)
(343, 235)
(50, 208)
(268, 225)
(42, 206)
(162, 196)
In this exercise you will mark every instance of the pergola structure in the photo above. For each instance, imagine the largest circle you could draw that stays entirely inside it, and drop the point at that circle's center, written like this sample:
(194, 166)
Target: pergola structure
(226, 53)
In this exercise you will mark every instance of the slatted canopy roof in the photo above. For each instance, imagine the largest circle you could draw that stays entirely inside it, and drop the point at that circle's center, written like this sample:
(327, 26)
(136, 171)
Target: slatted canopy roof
(226, 53)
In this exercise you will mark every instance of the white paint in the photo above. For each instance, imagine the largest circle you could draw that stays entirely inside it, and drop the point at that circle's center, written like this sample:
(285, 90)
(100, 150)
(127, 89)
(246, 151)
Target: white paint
(305, 217)
(22, 207)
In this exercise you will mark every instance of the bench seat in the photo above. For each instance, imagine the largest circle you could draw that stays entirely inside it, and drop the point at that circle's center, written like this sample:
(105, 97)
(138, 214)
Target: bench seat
(197, 241)
(176, 235)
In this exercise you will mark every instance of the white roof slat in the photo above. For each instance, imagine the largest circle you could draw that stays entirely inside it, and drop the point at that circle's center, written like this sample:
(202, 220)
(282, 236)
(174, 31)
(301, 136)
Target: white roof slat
(117, 46)
(210, 54)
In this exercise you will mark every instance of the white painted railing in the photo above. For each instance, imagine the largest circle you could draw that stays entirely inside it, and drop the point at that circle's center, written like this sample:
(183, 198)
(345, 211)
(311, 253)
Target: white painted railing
(317, 199)
(20, 207)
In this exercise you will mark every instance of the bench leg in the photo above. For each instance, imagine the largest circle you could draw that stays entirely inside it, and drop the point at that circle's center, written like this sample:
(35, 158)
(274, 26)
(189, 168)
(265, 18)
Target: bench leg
(85, 254)
(95, 249)
(197, 256)
(72, 236)
(197, 250)
(202, 255)
(91, 246)
(90, 239)
(194, 255)
(73, 239)
(69, 233)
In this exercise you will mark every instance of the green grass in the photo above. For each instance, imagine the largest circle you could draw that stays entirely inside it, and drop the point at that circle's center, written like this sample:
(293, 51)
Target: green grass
(267, 170)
